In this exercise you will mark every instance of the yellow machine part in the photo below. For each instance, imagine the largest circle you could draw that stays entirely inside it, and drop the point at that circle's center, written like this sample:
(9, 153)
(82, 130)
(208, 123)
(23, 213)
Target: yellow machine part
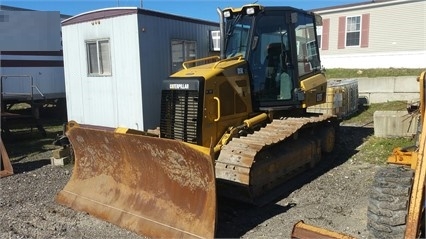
(417, 199)
(305, 231)
(415, 159)
(155, 187)
(6, 167)
(417, 193)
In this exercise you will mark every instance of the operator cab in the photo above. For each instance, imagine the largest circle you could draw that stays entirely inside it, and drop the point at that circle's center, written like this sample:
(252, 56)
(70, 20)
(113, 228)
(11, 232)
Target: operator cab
(280, 46)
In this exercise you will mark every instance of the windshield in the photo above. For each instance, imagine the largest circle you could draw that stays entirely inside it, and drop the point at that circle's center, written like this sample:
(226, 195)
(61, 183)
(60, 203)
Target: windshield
(238, 30)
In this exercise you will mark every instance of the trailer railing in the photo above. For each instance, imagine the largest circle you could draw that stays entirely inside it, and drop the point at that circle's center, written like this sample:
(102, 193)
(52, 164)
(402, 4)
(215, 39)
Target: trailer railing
(9, 118)
(20, 94)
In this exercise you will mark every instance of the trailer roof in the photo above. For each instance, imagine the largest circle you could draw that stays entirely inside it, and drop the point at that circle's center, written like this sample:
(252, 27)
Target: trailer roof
(122, 11)
(11, 8)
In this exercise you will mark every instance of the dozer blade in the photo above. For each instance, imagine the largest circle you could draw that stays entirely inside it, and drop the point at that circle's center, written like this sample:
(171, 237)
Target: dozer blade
(155, 187)
(5, 165)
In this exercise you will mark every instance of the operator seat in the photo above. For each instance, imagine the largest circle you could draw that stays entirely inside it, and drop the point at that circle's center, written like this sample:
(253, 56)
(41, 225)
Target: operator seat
(278, 82)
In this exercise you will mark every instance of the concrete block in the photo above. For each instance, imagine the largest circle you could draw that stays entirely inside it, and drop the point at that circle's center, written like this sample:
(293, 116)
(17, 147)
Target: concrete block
(406, 84)
(384, 89)
(60, 153)
(59, 161)
(395, 124)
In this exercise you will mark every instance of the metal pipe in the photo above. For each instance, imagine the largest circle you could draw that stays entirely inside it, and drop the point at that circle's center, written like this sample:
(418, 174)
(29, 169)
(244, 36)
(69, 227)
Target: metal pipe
(222, 33)
(255, 120)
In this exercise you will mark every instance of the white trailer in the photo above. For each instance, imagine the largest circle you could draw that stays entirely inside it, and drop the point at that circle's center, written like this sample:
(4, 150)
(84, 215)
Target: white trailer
(31, 67)
(115, 60)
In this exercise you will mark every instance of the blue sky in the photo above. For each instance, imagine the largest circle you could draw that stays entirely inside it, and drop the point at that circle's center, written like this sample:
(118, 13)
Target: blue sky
(201, 9)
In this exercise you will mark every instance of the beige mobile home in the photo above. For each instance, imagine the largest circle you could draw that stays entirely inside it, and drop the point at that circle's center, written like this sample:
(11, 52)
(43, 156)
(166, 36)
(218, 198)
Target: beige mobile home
(115, 60)
(374, 34)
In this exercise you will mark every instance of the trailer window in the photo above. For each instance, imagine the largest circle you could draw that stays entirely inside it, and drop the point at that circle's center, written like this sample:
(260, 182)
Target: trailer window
(182, 51)
(98, 58)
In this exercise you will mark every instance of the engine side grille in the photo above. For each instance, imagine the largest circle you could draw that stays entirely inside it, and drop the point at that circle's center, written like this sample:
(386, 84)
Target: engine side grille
(179, 115)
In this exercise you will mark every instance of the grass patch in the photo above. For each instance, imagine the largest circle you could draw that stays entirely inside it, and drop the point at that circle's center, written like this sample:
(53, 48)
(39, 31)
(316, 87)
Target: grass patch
(377, 150)
(371, 73)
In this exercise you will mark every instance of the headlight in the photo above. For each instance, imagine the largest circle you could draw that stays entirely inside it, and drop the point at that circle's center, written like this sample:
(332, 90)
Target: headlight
(227, 14)
(250, 11)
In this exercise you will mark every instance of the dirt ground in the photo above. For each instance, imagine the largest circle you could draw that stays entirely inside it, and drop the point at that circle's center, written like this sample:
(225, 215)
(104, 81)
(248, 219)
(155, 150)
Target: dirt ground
(333, 195)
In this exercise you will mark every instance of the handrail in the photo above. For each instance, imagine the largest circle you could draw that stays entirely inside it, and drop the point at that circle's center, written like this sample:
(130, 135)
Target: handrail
(238, 57)
(422, 81)
(198, 60)
(31, 79)
(38, 90)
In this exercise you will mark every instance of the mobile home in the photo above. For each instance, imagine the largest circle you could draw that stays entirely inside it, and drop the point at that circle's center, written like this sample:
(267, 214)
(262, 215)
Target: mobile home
(115, 60)
(31, 67)
(374, 34)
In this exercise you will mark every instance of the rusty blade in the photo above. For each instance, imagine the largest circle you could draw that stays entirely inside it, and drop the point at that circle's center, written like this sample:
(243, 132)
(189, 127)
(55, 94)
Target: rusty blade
(155, 187)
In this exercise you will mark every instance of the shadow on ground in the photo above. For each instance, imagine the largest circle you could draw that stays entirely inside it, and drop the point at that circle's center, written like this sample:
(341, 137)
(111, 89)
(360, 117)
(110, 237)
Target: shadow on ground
(29, 166)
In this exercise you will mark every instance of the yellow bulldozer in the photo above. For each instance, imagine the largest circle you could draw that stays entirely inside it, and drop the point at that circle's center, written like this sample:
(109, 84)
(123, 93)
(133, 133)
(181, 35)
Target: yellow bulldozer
(397, 199)
(234, 125)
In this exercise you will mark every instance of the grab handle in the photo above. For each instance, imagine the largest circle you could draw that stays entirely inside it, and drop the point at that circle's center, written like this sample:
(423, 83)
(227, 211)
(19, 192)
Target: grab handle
(218, 108)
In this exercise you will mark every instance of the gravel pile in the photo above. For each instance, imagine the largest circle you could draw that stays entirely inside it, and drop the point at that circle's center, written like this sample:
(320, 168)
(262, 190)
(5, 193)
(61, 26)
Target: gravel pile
(333, 196)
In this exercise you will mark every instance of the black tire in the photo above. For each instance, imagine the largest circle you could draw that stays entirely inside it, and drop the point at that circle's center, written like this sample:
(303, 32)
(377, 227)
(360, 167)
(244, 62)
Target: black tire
(389, 202)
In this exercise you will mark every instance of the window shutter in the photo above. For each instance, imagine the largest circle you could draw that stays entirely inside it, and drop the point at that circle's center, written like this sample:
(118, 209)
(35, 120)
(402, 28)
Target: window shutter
(325, 34)
(365, 28)
(341, 33)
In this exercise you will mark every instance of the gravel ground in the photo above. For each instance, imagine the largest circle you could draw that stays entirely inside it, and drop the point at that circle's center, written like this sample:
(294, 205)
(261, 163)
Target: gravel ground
(333, 196)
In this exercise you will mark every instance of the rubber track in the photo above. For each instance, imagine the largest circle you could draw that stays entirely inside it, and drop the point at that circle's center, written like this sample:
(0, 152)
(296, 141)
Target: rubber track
(239, 153)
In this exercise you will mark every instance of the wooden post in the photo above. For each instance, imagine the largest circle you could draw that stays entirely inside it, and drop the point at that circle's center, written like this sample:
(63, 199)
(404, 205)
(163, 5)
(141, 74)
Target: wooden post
(6, 167)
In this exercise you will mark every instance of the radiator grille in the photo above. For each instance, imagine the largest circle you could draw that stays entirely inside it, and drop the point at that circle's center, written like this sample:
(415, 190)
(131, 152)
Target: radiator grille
(179, 111)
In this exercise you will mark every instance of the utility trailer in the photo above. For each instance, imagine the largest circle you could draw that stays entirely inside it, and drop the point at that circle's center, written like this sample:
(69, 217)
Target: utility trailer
(31, 67)
(115, 60)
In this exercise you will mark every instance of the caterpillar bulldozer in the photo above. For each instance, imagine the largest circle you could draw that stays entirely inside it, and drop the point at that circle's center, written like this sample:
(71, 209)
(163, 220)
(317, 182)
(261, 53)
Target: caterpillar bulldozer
(234, 125)
(397, 199)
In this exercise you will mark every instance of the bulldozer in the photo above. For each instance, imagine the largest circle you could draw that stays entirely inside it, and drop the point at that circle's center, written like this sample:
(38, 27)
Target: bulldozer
(234, 125)
(397, 199)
